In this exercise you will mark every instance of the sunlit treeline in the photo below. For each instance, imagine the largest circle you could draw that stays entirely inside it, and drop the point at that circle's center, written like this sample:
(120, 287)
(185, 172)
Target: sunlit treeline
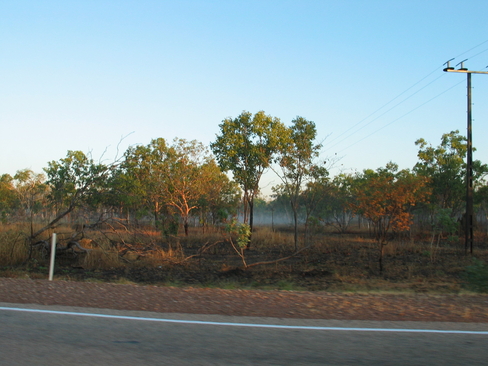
(173, 185)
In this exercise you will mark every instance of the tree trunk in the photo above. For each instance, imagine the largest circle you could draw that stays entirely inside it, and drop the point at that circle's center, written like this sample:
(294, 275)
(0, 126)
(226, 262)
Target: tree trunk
(251, 220)
(156, 210)
(246, 207)
(295, 235)
(381, 257)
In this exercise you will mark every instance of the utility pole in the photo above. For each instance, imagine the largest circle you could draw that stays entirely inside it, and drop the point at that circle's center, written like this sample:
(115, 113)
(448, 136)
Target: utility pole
(468, 228)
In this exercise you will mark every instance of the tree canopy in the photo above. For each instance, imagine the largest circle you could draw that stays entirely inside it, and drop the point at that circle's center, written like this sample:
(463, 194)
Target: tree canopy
(246, 146)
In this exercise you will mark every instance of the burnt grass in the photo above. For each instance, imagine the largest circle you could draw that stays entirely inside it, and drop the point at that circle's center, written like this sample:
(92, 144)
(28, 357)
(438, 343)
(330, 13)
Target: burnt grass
(334, 262)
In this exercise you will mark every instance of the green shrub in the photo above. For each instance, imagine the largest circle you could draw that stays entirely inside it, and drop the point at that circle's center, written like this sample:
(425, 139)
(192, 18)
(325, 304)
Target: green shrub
(476, 276)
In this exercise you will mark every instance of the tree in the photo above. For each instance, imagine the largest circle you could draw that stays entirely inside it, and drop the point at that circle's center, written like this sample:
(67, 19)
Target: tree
(246, 146)
(187, 177)
(316, 193)
(296, 155)
(336, 198)
(172, 179)
(74, 181)
(141, 177)
(221, 197)
(481, 200)
(31, 192)
(7, 196)
(385, 197)
(446, 168)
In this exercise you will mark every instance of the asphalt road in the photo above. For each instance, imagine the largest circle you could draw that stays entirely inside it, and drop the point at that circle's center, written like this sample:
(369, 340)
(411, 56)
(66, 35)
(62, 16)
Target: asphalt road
(61, 336)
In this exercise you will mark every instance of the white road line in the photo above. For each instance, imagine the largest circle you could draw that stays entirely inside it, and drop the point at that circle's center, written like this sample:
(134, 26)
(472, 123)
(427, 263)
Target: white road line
(250, 325)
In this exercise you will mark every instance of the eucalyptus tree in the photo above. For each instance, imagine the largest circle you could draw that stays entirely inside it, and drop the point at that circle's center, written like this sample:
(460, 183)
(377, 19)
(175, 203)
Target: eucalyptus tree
(314, 198)
(296, 154)
(385, 197)
(31, 191)
(139, 181)
(221, 197)
(8, 196)
(335, 198)
(74, 181)
(446, 168)
(246, 146)
(172, 179)
(188, 176)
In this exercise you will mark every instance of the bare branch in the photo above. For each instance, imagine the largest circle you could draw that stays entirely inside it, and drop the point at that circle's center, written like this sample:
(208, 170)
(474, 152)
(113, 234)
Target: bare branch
(277, 260)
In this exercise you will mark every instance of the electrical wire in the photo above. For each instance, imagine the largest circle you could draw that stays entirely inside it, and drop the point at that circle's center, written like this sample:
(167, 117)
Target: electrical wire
(383, 106)
(381, 115)
(395, 120)
(465, 52)
(396, 105)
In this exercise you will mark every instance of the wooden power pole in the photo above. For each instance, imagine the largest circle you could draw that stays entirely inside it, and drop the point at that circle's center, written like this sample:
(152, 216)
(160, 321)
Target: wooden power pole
(469, 217)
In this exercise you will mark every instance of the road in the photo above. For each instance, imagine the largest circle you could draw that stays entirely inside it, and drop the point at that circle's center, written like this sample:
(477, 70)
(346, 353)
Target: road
(41, 335)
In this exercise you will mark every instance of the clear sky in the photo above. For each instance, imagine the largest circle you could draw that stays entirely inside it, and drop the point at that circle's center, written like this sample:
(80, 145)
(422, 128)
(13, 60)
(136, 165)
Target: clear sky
(80, 75)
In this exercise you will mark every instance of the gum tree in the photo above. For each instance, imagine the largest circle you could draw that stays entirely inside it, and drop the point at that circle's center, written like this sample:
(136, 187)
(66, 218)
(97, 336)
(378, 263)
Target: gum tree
(74, 181)
(187, 177)
(221, 197)
(31, 192)
(140, 179)
(296, 154)
(171, 179)
(246, 146)
(8, 196)
(335, 198)
(446, 167)
(385, 197)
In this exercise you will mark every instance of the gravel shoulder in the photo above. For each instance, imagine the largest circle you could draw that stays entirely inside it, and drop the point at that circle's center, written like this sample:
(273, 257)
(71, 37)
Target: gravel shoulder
(257, 303)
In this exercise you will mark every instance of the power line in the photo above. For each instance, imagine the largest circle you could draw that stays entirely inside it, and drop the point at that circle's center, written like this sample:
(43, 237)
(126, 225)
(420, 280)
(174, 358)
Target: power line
(396, 105)
(384, 105)
(479, 53)
(414, 109)
(472, 49)
(381, 115)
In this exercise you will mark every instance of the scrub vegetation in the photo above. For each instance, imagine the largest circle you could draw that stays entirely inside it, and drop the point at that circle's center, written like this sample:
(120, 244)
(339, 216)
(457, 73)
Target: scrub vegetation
(167, 213)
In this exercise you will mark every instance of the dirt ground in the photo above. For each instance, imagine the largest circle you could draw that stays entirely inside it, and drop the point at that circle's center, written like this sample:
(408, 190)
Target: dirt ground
(263, 303)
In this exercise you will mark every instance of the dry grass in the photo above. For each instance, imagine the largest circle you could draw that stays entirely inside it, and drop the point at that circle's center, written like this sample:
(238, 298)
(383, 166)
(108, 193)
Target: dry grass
(101, 259)
(334, 262)
(265, 238)
(14, 248)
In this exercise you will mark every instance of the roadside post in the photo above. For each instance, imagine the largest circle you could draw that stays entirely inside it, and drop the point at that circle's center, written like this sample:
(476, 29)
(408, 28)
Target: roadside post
(53, 255)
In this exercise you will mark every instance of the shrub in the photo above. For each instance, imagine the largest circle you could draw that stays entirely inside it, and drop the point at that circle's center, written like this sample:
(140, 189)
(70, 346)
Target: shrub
(476, 276)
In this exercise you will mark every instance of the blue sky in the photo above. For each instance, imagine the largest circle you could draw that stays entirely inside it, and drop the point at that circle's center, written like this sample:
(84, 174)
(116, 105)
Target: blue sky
(79, 75)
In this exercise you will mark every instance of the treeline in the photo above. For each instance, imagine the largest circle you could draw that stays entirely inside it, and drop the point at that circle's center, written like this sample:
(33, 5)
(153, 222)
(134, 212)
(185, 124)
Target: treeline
(181, 183)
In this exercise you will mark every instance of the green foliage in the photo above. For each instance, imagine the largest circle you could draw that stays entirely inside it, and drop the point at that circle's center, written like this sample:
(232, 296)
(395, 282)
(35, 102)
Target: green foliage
(138, 183)
(476, 276)
(242, 231)
(445, 222)
(246, 146)
(31, 191)
(243, 234)
(180, 179)
(335, 198)
(445, 166)
(170, 226)
(296, 154)
(76, 179)
(8, 196)
(221, 196)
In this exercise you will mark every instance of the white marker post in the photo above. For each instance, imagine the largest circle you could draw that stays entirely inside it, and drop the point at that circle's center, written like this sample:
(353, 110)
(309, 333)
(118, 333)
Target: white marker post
(53, 255)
